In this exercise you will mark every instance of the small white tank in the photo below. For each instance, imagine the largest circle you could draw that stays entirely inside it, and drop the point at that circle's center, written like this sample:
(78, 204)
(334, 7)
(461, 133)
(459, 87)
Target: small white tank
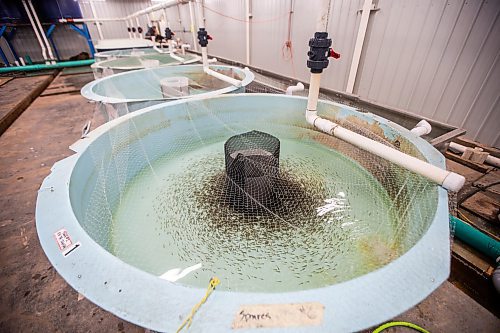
(176, 86)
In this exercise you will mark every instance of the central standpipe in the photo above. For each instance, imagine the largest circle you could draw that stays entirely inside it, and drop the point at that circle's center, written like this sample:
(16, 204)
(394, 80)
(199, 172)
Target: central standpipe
(252, 169)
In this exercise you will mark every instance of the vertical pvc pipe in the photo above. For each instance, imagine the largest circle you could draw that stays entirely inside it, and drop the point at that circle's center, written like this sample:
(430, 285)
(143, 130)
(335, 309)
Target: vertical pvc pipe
(42, 32)
(137, 22)
(132, 25)
(360, 39)
(97, 23)
(247, 27)
(37, 34)
(193, 32)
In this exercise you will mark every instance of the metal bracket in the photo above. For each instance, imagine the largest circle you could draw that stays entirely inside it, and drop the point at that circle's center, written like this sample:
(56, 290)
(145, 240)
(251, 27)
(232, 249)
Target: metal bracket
(84, 31)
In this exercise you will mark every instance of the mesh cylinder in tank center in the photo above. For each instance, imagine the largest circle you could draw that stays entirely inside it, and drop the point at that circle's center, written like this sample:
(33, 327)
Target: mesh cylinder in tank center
(252, 168)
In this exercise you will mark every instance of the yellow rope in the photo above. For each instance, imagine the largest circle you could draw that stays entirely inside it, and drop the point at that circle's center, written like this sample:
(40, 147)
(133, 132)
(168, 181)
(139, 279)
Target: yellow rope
(211, 287)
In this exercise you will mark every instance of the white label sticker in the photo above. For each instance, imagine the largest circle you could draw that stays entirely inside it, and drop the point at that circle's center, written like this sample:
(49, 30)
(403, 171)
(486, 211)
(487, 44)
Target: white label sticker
(63, 240)
(279, 315)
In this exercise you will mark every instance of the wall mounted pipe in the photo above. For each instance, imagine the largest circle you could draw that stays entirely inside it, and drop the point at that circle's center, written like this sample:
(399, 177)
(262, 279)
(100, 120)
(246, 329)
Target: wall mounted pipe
(42, 32)
(97, 23)
(191, 18)
(62, 64)
(492, 160)
(138, 25)
(247, 29)
(360, 39)
(37, 34)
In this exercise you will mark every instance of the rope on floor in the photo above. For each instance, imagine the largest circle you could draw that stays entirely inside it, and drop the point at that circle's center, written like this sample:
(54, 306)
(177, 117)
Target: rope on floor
(211, 287)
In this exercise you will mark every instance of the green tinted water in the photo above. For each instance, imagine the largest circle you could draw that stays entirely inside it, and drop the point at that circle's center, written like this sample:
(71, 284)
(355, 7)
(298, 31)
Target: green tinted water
(173, 215)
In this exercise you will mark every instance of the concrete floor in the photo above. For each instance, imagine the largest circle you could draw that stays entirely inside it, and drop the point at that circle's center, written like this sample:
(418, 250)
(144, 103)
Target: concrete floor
(34, 298)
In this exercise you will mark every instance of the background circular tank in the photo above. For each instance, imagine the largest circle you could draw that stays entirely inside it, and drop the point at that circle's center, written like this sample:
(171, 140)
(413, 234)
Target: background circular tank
(143, 137)
(125, 64)
(130, 91)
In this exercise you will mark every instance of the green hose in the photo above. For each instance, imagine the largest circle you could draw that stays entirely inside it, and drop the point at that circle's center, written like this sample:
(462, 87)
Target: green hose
(400, 323)
(475, 238)
(46, 66)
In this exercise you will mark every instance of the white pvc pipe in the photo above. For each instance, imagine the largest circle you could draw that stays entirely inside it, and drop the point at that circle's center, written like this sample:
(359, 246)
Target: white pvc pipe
(129, 29)
(422, 128)
(97, 23)
(191, 18)
(42, 32)
(132, 25)
(154, 8)
(360, 39)
(184, 47)
(21, 60)
(137, 22)
(37, 34)
(204, 57)
(291, 89)
(88, 19)
(447, 179)
(492, 160)
(247, 28)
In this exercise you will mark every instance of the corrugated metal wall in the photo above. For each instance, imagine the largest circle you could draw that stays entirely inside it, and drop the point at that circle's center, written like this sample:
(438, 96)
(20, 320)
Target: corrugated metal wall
(435, 58)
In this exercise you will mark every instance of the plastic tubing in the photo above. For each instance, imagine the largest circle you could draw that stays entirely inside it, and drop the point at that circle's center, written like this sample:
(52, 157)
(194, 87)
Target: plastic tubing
(62, 64)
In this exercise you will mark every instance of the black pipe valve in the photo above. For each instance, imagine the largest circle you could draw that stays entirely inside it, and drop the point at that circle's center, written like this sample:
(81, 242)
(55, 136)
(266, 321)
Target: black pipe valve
(169, 34)
(203, 37)
(319, 51)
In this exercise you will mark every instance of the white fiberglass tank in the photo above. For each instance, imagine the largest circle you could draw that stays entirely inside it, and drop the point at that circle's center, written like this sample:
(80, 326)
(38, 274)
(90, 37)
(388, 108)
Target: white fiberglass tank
(317, 236)
(120, 94)
(135, 62)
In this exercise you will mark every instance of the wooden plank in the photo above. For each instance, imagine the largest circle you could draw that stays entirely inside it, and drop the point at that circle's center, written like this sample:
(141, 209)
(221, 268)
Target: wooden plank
(4, 80)
(17, 95)
(476, 166)
(68, 84)
(464, 141)
(484, 206)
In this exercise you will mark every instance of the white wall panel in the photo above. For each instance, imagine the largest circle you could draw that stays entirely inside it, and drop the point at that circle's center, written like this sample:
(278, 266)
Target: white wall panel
(435, 58)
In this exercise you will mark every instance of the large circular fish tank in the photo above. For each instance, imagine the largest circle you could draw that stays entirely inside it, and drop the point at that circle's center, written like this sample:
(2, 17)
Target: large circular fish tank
(125, 64)
(130, 91)
(185, 187)
(125, 53)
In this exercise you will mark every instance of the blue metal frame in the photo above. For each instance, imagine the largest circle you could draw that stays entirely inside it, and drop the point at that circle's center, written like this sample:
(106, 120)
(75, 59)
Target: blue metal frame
(49, 36)
(84, 31)
(8, 37)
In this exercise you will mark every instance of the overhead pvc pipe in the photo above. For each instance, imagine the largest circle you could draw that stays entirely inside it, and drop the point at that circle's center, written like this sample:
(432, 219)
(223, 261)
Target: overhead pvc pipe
(318, 60)
(37, 34)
